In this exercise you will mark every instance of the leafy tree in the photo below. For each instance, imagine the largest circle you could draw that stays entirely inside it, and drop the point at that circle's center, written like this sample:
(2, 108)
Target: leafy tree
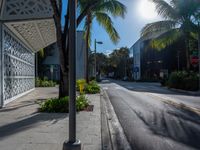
(178, 21)
(118, 61)
(101, 13)
(62, 33)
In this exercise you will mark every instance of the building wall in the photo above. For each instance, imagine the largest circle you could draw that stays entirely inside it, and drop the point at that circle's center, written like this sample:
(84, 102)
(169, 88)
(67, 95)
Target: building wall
(136, 50)
(52, 60)
(18, 67)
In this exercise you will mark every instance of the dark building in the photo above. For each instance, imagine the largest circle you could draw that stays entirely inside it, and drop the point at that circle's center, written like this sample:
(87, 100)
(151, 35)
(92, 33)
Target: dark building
(152, 64)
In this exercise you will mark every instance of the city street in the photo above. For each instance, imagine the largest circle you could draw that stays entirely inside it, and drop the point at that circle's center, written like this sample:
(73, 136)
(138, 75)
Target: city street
(149, 119)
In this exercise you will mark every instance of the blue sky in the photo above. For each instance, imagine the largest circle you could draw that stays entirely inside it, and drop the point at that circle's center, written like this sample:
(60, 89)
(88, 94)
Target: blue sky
(128, 28)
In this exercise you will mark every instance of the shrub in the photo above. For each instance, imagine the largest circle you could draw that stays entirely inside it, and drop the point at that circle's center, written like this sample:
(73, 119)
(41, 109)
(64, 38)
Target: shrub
(81, 102)
(56, 105)
(44, 83)
(164, 82)
(92, 88)
(92, 78)
(183, 80)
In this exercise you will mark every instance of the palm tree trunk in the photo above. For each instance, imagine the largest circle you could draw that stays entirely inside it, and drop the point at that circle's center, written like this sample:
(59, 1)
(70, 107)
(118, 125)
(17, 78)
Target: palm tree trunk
(88, 19)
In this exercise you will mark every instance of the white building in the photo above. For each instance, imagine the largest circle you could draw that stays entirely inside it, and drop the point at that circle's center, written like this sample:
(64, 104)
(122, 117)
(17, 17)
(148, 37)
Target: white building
(136, 51)
(52, 63)
(26, 26)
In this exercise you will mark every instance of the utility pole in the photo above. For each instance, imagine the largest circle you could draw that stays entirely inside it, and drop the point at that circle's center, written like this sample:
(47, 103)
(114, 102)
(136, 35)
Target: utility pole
(199, 55)
(95, 57)
(73, 143)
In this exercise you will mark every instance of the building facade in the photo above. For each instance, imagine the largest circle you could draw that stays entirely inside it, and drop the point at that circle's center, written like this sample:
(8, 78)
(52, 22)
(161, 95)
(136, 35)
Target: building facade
(136, 52)
(151, 64)
(26, 26)
(51, 63)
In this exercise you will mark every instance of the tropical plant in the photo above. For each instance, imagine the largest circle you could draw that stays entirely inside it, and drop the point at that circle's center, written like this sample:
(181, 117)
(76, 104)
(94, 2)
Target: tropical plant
(60, 105)
(92, 88)
(101, 13)
(62, 31)
(183, 80)
(44, 82)
(178, 21)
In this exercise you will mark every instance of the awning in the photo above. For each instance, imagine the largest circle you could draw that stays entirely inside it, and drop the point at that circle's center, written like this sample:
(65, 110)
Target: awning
(30, 20)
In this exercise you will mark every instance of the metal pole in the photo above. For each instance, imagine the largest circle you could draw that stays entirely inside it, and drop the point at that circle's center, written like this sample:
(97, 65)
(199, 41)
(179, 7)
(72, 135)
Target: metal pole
(95, 58)
(73, 143)
(199, 57)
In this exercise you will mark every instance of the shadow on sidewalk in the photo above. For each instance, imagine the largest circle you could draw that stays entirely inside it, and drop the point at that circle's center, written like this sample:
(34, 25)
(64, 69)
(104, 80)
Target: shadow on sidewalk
(21, 104)
(30, 122)
(178, 124)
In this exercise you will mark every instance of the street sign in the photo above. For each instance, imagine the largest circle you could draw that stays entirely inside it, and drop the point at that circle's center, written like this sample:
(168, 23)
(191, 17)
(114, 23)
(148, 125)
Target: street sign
(194, 60)
(136, 69)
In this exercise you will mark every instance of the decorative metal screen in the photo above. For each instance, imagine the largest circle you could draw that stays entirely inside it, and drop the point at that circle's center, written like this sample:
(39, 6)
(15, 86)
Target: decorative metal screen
(19, 70)
(27, 9)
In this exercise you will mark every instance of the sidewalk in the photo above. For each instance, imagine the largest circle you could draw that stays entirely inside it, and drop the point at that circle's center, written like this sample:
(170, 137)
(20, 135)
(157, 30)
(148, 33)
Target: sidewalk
(23, 128)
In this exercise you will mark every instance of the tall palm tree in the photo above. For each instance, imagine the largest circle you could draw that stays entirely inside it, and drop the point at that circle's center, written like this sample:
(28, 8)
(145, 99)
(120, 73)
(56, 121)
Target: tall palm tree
(101, 12)
(178, 21)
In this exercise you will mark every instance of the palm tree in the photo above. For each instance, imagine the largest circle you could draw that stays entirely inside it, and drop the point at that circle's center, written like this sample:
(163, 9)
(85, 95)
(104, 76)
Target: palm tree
(101, 13)
(178, 21)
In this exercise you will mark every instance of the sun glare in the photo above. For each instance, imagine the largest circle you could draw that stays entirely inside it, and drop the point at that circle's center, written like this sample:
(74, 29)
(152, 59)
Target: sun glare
(147, 9)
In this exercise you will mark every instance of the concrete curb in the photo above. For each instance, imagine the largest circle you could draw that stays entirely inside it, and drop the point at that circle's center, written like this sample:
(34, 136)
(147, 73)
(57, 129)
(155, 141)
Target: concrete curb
(117, 136)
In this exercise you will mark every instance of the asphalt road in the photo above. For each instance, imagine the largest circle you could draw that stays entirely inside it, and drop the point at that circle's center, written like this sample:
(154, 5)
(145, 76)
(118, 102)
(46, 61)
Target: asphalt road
(151, 124)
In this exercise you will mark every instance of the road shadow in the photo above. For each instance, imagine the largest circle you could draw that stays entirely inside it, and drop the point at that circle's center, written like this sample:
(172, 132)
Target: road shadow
(176, 123)
(148, 88)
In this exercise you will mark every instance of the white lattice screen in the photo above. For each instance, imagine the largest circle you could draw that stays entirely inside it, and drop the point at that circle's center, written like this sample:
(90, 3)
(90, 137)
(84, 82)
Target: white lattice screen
(18, 67)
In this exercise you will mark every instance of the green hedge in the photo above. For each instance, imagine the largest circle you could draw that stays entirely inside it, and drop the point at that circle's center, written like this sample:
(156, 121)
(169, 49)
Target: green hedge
(56, 105)
(183, 80)
(92, 88)
(44, 83)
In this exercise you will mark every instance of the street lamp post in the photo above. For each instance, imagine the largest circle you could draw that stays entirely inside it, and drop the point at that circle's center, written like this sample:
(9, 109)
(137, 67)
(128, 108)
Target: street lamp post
(73, 143)
(95, 57)
(199, 56)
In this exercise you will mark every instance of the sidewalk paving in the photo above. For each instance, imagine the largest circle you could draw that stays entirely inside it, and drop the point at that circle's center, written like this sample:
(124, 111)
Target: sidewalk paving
(22, 127)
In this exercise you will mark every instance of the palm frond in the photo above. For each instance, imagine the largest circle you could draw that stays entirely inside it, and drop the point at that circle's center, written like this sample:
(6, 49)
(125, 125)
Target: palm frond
(41, 53)
(158, 27)
(105, 21)
(114, 7)
(165, 10)
(166, 39)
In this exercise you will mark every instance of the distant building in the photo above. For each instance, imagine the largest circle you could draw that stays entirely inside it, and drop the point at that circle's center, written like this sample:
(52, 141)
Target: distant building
(136, 51)
(51, 64)
(151, 64)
